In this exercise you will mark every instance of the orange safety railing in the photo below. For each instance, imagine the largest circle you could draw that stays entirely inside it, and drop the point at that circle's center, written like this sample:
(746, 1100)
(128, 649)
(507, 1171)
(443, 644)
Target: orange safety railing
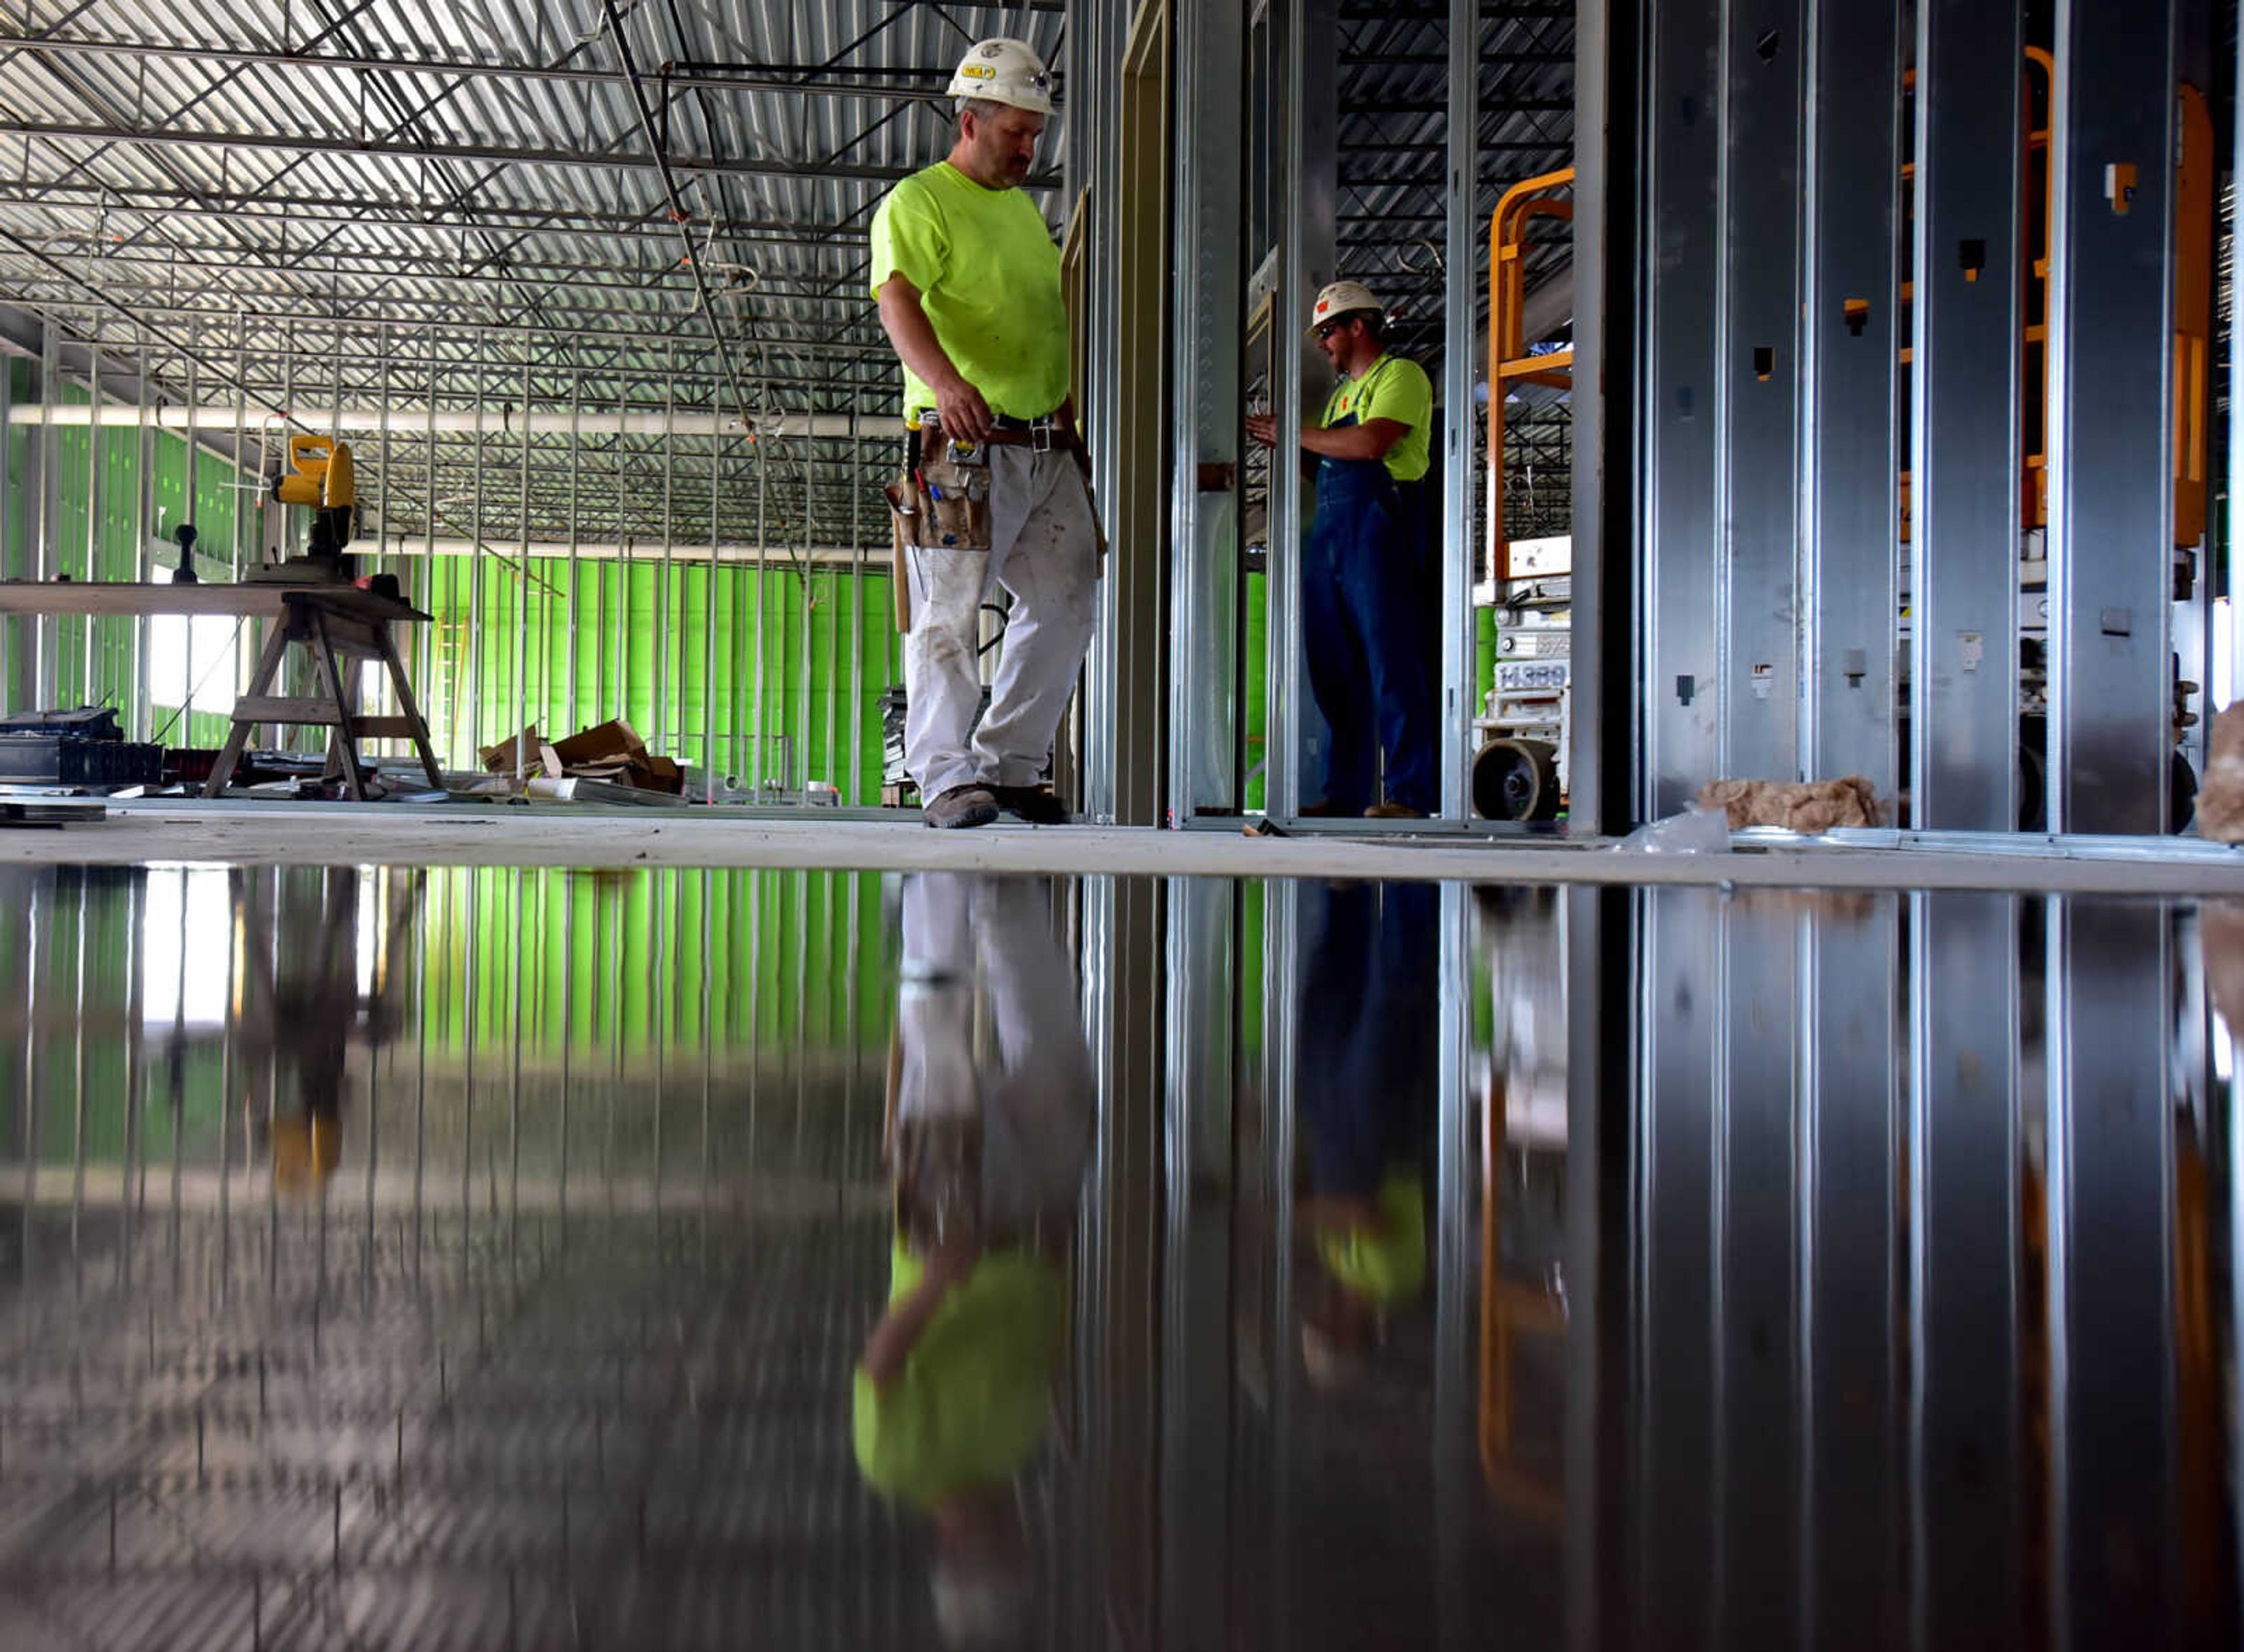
(1508, 361)
(1508, 1311)
(2192, 315)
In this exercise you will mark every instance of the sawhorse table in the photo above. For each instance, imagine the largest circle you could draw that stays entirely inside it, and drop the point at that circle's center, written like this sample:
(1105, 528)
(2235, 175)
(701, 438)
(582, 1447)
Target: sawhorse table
(326, 621)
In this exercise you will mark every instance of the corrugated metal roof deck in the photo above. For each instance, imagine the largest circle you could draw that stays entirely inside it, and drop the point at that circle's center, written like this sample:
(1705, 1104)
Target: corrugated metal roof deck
(408, 205)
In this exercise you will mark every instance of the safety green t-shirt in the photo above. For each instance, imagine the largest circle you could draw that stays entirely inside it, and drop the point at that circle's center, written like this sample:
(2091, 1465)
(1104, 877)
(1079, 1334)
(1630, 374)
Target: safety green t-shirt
(1388, 1263)
(1393, 389)
(987, 275)
(975, 1394)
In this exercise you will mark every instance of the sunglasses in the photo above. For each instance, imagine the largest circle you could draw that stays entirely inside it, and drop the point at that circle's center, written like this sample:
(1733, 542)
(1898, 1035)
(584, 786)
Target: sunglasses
(1325, 329)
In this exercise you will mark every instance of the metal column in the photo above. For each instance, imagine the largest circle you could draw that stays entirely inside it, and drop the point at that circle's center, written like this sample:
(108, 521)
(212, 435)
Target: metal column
(1601, 1024)
(2234, 583)
(1120, 1245)
(2113, 1506)
(1757, 367)
(1267, 1474)
(1210, 203)
(1460, 371)
(14, 494)
(1756, 1369)
(1095, 45)
(2111, 422)
(1968, 1513)
(1601, 796)
(1679, 302)
(1197, 1373)
(1676, 1296)
(1850, 440)
(1305, 35)
(1456, 1272)
(1964, 456)
(1849, 1182)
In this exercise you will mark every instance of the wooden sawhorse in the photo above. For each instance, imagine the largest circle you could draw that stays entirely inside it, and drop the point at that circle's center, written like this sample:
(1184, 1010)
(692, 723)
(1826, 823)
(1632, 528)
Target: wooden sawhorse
(329, 620)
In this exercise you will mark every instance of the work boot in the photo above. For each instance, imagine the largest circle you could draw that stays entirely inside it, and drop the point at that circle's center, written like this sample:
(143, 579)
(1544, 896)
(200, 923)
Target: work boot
(1324, 811)
(1392, 810)
(962, 806)
(1032, 803)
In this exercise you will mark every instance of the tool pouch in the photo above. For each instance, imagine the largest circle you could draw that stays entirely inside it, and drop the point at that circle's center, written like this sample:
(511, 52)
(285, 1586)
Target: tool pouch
(945, 506)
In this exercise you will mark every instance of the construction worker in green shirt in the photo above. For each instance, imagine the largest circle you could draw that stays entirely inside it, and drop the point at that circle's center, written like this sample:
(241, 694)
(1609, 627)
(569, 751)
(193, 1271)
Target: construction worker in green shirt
(967, 278)
(1366, 568)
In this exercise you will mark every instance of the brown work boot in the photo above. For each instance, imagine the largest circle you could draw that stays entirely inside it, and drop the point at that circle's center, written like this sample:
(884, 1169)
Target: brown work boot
(1392, 810)
(961, 806)
(1032, 803)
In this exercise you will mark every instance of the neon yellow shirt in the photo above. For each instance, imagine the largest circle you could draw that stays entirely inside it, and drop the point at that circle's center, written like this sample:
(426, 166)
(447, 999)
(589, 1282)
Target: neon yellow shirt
(989, 280)
(1392, 388)
(973, 1398)
(1388, 1263)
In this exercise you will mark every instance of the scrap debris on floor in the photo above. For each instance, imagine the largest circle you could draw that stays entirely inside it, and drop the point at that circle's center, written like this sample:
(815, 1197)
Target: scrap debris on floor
(607, 763)
(81, 752)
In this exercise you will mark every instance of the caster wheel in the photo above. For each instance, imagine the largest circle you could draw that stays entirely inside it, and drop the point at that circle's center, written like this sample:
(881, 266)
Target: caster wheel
(1516, 780)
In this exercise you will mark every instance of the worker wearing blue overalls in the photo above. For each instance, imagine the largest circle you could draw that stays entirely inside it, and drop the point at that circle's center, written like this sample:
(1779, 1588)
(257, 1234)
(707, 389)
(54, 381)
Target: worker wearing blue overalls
(1366, 566)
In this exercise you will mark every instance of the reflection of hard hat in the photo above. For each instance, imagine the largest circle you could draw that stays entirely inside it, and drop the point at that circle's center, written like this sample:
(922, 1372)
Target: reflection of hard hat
(1341, 298)
(1333, 1365)
(978, 1605)
(1003, 71)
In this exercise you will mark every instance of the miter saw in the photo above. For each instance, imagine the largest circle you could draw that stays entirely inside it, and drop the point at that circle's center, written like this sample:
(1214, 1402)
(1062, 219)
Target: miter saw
(319, 476)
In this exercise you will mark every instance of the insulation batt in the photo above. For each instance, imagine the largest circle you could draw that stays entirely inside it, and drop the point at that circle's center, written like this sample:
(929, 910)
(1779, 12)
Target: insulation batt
(1797, 806)
(2221, 800)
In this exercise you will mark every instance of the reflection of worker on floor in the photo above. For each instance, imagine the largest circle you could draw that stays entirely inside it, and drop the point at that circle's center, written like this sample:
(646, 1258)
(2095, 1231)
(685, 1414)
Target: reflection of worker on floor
(1367, 569)
(986, 1147)
(303, 1004)
(1365, 1090)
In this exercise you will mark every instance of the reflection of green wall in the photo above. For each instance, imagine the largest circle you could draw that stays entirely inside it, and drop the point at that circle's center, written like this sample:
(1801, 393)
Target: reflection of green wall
(787, 964)
(632, 954)
(68, 955)
(630, 619)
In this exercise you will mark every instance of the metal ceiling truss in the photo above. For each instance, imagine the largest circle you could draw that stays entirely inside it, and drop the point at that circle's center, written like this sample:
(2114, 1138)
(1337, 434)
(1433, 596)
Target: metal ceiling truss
(389, 205)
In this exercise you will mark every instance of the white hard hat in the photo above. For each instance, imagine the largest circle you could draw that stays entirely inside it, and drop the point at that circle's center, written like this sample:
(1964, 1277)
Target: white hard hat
(1004, 71)
(1341, 298)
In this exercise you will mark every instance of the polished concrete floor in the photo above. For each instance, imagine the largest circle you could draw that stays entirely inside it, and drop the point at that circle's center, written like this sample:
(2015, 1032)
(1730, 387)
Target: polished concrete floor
(277, 833)
(678, 1256)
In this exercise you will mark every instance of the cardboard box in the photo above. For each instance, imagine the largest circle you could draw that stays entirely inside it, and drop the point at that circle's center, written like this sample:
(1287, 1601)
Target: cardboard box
(611, 742)
(501, 759)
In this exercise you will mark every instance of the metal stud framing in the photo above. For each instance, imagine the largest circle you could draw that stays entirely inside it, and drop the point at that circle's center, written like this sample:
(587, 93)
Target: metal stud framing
(1812, 1334)
(1839, 433)
(1683, 167)
(2113, 104)
(1851, 337)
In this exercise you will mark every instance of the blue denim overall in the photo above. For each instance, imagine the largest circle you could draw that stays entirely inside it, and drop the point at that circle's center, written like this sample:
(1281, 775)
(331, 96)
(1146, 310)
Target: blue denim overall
(1363, 626)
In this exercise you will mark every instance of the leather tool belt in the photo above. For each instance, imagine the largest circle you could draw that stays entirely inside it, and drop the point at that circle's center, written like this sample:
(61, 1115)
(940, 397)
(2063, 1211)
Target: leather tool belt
(943, 504)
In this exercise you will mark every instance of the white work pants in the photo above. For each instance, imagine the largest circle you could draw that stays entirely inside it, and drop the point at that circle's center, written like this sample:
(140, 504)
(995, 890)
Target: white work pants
(1033, 1093)
(1044, 549)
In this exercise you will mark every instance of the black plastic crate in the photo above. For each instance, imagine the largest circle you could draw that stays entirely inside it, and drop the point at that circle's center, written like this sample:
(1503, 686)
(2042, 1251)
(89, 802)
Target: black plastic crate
(65, 760)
